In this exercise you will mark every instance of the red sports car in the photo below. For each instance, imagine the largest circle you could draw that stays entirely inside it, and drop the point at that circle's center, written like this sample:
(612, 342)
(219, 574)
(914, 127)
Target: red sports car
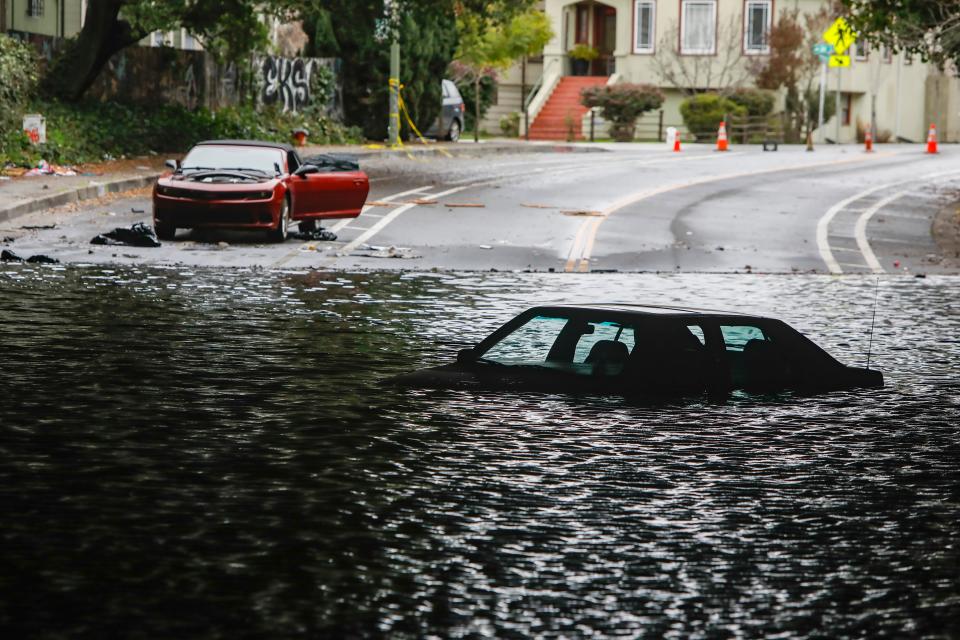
(240, 184)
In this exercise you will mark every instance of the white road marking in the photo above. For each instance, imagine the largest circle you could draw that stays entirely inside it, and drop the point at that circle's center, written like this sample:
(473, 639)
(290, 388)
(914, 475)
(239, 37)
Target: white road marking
(343, 223)
(390, 217)
(582, 248)
(823, 227)
(860, 229)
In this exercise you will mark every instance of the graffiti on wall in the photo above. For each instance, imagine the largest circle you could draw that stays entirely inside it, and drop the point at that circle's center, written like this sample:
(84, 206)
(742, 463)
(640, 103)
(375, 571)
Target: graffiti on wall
(294, 83)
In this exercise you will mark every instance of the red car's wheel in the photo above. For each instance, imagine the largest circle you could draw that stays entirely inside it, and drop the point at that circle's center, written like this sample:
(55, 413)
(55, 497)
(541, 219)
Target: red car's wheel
(165, 231)
(283, 224)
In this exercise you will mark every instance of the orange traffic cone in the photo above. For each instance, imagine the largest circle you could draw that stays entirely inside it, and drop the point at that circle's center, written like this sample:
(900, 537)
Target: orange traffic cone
(932, 139)
(676, 142)
(722, 137)
(868, 140)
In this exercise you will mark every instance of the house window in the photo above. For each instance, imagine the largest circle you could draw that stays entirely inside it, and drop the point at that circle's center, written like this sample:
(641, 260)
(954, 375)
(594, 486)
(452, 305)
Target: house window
(645, 12)
(698, 27)
(756, 26)
(863, 50)
(35, 8)
(846, 103)
(887, 54)
(907, 58)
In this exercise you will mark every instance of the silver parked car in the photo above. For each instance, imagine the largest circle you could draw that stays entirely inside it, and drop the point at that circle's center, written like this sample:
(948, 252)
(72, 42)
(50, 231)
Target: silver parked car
(449, 124)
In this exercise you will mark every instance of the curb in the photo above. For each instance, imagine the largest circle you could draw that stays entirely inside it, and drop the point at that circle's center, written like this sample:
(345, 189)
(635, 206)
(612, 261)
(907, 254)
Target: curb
(95, 190)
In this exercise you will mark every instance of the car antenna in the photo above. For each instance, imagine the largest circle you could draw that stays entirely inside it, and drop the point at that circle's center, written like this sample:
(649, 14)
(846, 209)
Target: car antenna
(876, 295)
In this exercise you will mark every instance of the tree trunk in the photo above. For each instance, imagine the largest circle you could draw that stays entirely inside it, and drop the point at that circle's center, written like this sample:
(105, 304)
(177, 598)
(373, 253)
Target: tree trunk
(476, 108)
(77, 67)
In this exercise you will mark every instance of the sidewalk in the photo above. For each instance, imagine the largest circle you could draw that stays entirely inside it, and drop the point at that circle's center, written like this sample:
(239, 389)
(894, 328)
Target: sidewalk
(22, 195)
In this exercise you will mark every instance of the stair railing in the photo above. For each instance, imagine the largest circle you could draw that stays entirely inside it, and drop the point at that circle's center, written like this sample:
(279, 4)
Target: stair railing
(539, 93)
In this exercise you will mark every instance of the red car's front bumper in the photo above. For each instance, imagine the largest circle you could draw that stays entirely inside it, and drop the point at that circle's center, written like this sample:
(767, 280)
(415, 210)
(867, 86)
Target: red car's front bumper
(185, 211)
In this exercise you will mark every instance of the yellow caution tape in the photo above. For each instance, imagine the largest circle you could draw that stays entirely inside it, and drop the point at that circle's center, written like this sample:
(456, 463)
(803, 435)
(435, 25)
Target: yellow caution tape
(396, 86)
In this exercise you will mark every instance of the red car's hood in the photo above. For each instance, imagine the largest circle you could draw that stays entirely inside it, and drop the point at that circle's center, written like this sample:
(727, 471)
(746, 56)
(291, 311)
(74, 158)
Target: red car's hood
(219, 183)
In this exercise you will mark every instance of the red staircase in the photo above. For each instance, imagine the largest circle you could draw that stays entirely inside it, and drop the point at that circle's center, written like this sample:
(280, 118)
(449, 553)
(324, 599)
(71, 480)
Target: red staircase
(551, 123)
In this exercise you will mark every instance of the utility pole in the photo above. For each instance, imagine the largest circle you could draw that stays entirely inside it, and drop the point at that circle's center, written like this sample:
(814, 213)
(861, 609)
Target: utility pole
(394, 125)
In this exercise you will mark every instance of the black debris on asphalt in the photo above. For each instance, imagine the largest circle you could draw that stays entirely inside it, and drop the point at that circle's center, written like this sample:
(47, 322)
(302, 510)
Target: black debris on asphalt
(139, 235)
(10, 256)
(39, 227)
(316, 234)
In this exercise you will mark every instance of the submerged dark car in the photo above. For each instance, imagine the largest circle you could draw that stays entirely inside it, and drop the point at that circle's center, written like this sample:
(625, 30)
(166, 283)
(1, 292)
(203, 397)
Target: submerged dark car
(645, 351)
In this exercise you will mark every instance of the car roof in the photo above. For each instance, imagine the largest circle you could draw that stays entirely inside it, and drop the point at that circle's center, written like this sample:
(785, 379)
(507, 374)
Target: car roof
(248, 143)
(644, 309)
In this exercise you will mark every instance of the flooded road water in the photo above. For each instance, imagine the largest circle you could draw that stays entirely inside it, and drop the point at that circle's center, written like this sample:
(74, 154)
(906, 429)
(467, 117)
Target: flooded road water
(209, 454)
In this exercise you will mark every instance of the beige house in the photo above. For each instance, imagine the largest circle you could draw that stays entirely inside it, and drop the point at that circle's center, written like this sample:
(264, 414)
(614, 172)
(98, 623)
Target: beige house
(696, 45)
(64, 19)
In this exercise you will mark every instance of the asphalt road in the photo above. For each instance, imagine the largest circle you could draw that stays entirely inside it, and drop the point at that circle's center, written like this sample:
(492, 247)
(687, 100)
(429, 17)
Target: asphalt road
(603, 207)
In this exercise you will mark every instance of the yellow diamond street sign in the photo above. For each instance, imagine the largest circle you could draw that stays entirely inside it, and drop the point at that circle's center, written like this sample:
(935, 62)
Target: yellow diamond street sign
(841, 36)
(839, 61)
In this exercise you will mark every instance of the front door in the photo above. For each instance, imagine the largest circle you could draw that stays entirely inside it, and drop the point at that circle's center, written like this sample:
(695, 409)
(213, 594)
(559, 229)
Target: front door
(332, 194)
(604, 38)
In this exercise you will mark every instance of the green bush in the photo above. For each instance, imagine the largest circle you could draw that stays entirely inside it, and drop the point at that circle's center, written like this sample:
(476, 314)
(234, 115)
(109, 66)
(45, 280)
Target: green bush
(18, 79)
(703, 113)
(757, 102)
(621, 105)
(94, 131)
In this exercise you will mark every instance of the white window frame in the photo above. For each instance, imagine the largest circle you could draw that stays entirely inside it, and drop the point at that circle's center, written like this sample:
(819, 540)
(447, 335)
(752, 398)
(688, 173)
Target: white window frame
(712, 50)
(755, 50)
(651, 47)
(862, 50)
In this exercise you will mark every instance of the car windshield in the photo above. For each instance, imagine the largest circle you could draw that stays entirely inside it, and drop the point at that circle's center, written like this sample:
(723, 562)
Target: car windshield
(233, 157)
(574, 345)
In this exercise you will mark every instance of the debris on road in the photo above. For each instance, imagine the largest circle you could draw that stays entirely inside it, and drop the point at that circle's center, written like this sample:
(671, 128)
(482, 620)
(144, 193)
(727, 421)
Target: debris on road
(39, 227)
(579, 212)
(485, 246)
(316, 234)
(464, 205)
(372, 251)
(138, 235)
(10, 256)
(538, 206)
(44, 168)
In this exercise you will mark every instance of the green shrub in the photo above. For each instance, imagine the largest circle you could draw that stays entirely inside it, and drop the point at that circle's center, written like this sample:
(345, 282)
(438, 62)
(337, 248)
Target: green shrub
(622, 104)
(94, 131)
(703, 113)
(757, 102)
(18, 79)
(510, 124)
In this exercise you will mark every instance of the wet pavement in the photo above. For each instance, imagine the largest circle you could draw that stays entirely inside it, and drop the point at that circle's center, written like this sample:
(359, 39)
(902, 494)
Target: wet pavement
(208, 453)
(595, 208)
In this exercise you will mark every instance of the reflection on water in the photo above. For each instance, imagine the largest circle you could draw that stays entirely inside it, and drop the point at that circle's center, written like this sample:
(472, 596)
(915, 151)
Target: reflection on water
(189, 454)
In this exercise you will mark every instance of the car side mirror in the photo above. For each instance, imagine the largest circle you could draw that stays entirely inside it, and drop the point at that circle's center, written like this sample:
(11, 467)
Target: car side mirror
(172, 164)
(305, 169)
(465, 356)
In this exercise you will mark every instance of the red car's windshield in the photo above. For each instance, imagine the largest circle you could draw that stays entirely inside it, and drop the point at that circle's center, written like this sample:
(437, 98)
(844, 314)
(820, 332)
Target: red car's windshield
(234, 157)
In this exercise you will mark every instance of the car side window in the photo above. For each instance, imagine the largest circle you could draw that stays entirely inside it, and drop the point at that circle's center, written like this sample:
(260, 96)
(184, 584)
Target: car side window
(603, 332)
(529, 343)
(293, 162)
(736, 337)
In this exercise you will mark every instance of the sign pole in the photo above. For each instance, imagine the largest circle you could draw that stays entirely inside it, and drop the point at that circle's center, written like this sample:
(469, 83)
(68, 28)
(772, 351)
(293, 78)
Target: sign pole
(838, 113)
(823, 94)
